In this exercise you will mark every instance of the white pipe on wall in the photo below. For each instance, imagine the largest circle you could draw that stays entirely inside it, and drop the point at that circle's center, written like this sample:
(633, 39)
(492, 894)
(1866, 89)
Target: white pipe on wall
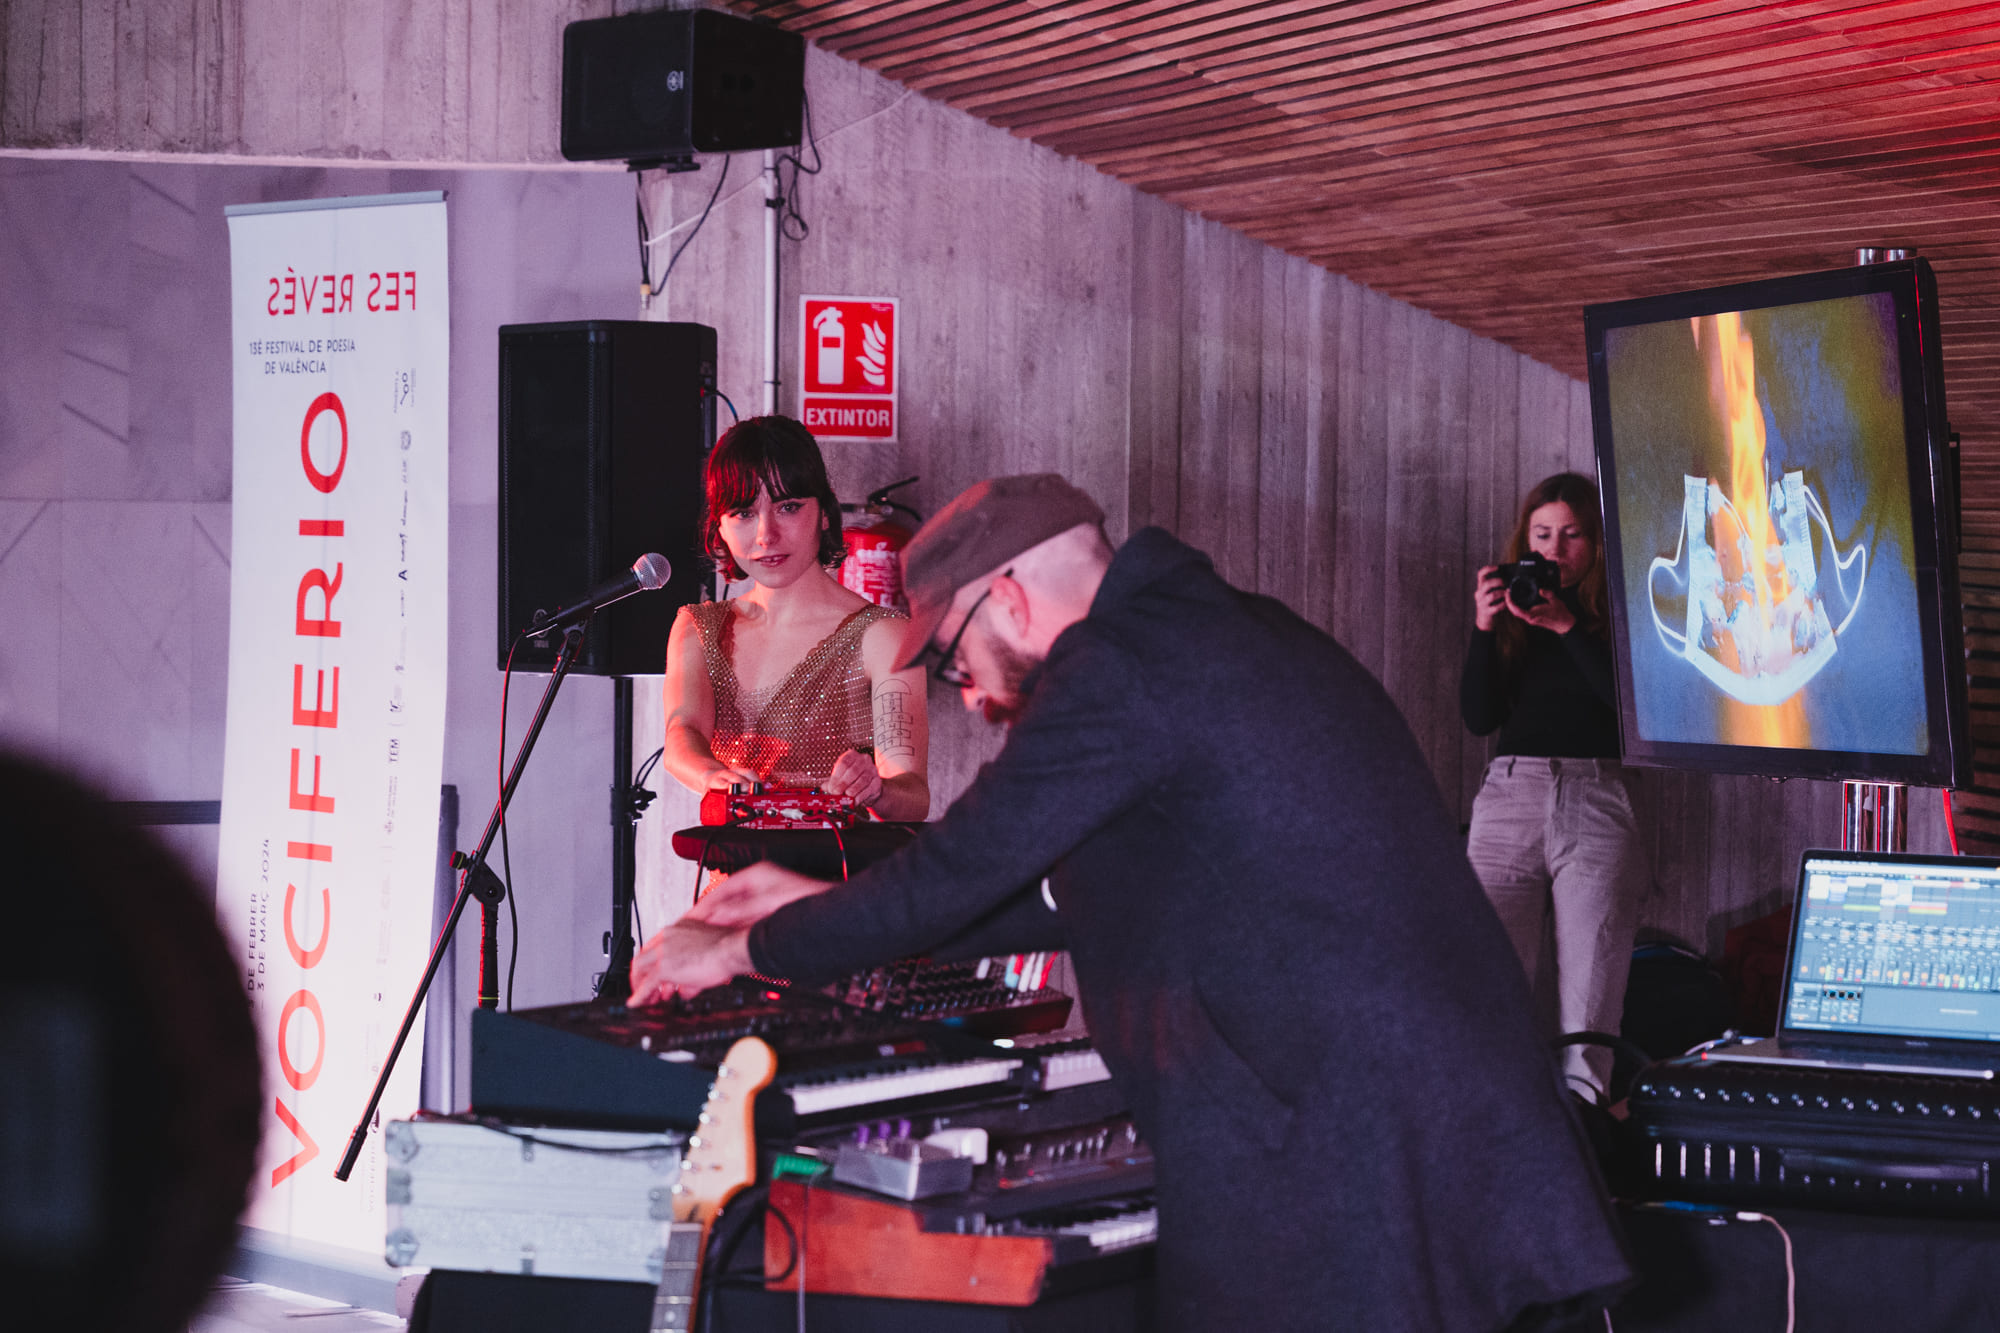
(771, 210)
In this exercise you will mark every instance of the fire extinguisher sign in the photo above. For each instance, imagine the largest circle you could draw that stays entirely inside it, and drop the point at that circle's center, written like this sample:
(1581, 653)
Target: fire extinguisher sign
(849, 366)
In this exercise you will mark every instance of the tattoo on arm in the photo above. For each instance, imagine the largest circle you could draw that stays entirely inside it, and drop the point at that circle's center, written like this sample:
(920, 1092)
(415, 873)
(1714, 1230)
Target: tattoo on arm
(894, 737)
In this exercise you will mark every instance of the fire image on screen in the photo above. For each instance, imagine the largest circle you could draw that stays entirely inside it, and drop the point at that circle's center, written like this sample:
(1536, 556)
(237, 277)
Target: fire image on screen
(1764, 503)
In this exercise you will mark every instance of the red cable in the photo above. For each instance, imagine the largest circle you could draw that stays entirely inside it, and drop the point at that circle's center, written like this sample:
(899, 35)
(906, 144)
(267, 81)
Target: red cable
(1950, 824)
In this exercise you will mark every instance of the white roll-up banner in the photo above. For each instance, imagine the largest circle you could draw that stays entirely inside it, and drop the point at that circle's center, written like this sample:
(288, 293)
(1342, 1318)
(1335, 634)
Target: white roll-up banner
(335, 747)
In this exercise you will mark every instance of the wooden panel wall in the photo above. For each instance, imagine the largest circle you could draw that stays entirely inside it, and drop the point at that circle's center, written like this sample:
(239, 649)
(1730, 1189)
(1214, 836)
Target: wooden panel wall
(1979, 584)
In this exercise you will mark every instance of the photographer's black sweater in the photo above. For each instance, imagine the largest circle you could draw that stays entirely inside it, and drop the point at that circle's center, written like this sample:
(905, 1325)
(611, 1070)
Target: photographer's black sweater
(1561, 704)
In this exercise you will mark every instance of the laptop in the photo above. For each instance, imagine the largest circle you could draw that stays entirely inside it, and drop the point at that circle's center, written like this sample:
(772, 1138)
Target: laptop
(1893, 967)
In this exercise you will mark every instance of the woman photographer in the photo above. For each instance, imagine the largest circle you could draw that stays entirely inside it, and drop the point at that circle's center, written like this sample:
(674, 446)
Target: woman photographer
(1553, 832)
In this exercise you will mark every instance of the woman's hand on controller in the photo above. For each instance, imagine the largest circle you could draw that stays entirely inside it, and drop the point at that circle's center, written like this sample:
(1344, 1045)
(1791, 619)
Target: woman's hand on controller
(725, 777)
(854, 776)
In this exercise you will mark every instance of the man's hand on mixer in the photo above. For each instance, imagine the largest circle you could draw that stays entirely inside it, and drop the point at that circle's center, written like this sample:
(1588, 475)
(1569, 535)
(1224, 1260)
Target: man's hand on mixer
(855, 776)
(688, 957)
(751, 894)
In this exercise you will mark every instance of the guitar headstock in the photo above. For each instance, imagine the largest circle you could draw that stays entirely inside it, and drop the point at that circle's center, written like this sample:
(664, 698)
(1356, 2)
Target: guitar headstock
(721, 1155)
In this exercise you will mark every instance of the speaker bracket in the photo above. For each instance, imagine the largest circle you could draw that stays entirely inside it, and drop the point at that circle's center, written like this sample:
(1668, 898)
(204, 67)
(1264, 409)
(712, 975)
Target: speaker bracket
(673, 165)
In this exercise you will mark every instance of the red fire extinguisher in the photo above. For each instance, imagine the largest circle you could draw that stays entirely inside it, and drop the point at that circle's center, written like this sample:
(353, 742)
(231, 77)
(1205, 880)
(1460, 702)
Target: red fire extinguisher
(875, 537)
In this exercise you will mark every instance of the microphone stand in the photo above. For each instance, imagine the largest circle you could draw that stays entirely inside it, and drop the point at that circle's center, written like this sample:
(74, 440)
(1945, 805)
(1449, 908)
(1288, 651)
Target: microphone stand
(478, 881)
(628, 802)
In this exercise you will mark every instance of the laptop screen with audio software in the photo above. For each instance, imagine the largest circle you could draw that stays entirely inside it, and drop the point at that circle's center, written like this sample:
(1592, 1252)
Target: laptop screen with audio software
(1895, 946)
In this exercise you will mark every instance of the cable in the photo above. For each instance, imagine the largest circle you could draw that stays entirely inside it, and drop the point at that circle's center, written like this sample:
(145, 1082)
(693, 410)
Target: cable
(787, 202)
(513, 916)
(791, 1236)
(724, 1238)
(655, 240)
(1791, 1273)
(1950, 824)
(720, 177)
(506, 861)
(646, 769)
(1729, 1037)
(805, 1231)
(726, 403)
(638, 783)
(700, 869)
(594, 1150)
(645, 237)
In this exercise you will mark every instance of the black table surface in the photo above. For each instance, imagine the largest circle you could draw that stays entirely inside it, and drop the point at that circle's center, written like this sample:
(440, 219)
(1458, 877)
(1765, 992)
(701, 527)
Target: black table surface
(505, 1303)
(1700, 1274)
(1853, 1271)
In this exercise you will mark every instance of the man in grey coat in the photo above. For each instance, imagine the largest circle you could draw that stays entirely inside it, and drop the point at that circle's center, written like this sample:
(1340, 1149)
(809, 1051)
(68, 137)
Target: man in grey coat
(1284, 958)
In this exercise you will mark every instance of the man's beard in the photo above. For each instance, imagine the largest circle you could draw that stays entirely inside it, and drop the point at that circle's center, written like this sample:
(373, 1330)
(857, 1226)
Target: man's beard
(1003, 706)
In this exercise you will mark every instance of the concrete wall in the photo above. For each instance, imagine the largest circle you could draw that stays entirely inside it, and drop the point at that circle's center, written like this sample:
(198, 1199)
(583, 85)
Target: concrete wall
(1350, 454)
(115, 488)
(386, 81)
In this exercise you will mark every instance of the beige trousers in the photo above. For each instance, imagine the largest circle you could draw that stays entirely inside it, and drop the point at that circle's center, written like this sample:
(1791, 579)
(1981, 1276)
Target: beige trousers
(1556, 847)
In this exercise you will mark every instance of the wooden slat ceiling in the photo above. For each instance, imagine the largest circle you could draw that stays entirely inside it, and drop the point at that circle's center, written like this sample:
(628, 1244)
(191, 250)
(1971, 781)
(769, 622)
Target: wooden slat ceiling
(1502, 163)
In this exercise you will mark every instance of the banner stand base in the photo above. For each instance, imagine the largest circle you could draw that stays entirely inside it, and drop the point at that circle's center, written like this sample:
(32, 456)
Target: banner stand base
(330, 1272)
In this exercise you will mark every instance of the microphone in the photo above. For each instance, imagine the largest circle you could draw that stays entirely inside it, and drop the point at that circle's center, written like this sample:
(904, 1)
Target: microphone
(648, 572)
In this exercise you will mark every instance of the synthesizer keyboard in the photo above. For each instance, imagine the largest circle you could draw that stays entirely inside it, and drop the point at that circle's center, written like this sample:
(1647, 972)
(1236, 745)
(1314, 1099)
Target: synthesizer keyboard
(1065, 1063)
(970, 995)
(608, 1066)
(810, 1095)
(1114, 1229)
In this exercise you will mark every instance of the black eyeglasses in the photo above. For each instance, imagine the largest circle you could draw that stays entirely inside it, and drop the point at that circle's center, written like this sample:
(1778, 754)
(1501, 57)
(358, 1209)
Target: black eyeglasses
(946, 671)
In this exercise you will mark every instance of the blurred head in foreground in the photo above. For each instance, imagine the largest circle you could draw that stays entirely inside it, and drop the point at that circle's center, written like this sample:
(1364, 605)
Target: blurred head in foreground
(129, 1088)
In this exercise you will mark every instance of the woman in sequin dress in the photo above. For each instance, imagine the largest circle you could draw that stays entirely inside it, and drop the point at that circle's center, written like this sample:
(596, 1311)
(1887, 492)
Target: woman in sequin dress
(793, 682)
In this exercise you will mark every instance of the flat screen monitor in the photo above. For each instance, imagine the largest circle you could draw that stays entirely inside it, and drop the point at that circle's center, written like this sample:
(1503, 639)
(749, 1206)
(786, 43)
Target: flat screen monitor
(1780, 527)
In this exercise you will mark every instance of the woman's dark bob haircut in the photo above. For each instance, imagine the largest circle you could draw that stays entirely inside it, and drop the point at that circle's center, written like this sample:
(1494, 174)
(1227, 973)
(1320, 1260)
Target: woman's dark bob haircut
(780, 455)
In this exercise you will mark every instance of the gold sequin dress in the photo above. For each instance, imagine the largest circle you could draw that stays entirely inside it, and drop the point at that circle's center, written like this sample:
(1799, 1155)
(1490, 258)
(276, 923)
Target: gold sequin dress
(790, 734)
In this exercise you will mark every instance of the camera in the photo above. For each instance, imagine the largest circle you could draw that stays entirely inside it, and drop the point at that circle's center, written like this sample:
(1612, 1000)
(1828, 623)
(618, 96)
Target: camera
(1527, 578)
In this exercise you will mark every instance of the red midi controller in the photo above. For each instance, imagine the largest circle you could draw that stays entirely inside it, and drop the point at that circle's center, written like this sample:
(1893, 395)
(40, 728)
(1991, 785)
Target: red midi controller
(762, 807)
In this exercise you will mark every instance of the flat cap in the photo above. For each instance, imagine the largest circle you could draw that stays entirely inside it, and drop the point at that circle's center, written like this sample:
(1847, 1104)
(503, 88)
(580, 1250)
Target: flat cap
(988, 524)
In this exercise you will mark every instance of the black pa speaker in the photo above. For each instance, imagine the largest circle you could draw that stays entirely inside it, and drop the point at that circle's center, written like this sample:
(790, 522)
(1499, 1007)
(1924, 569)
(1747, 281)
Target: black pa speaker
(604, 426)
(669, 83)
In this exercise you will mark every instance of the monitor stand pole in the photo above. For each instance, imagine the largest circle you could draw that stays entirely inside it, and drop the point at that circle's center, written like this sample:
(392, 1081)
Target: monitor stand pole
(1874, 817)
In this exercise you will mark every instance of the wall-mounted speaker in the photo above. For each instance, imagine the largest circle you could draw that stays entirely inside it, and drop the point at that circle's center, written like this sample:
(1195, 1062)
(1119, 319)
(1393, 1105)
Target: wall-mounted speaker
(653, 87)
(604, 427)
